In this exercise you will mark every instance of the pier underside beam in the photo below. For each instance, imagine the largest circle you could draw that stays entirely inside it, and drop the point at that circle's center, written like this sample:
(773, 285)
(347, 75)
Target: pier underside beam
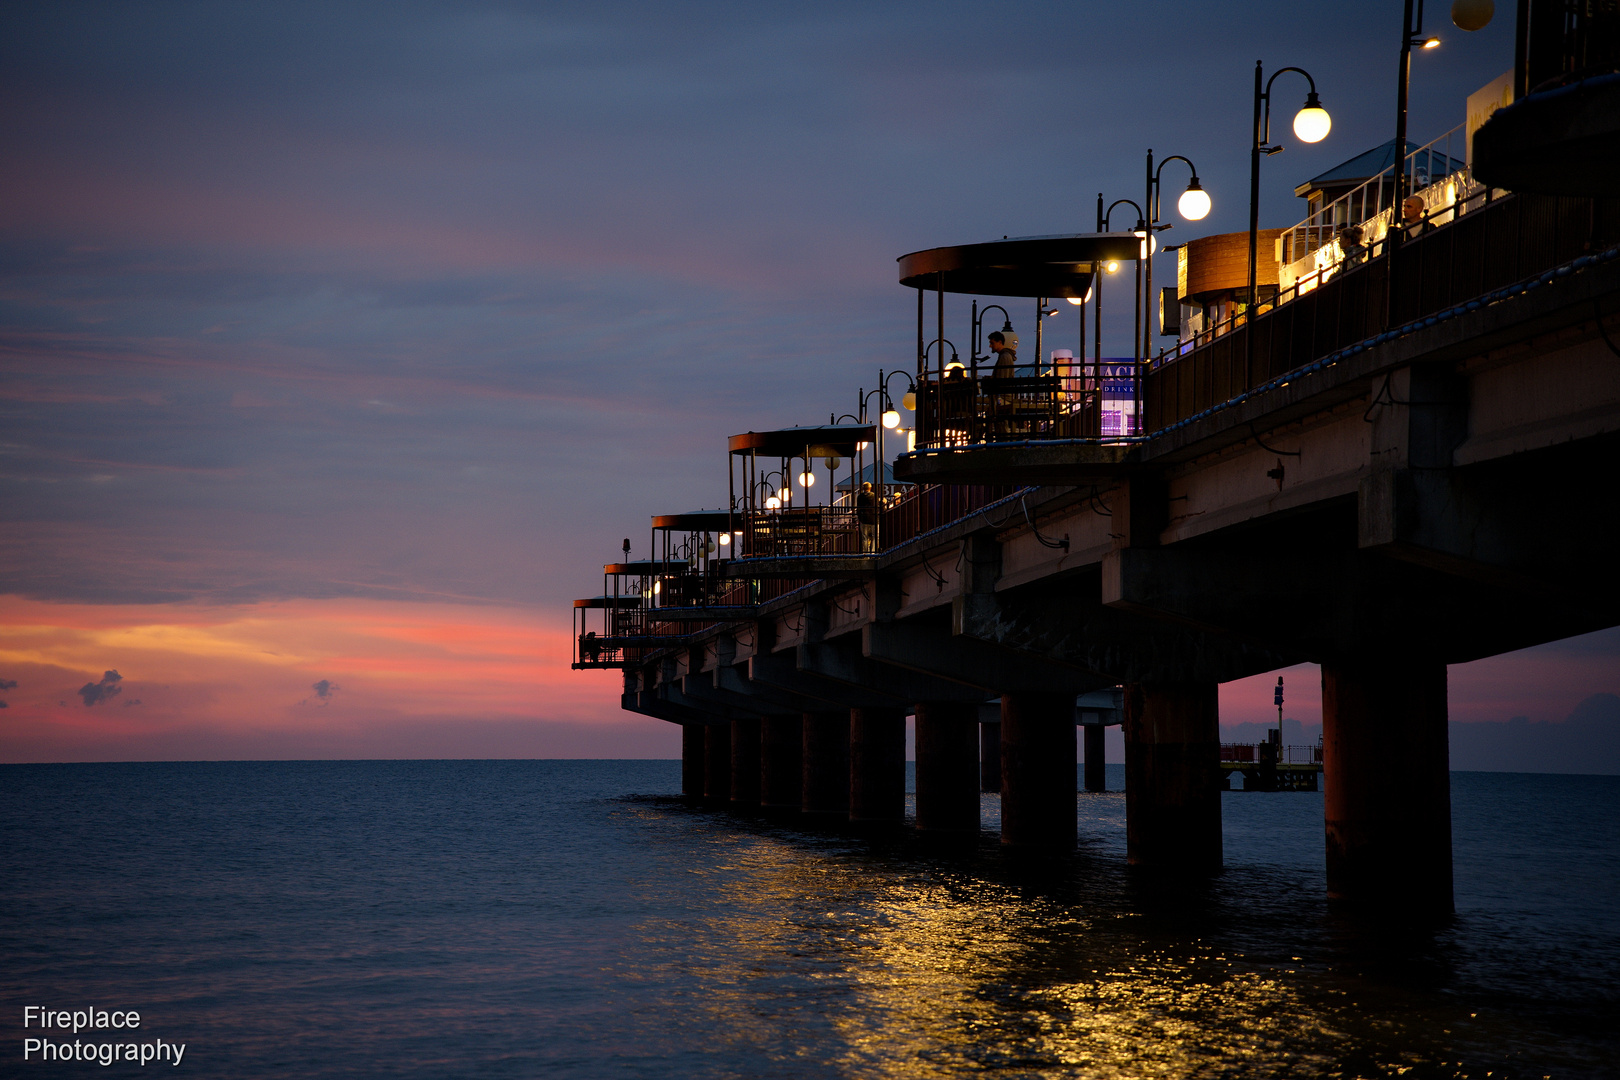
(781, 672)
(745, 770)
(1067, 624)
(825, 787)
(947, 766)
(1388, 812)
(781, 763)
(929, 648)
(1173, 776)
(1471, 523)
(877, 765)
(1037, 770)
(700, 690)
(717, 764)
(842, 660)
(1301, 590)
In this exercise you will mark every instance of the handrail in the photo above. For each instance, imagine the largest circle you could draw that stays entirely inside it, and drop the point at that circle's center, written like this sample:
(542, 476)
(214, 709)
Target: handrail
(1064, 399)
(1466, 198)
(1351, 208)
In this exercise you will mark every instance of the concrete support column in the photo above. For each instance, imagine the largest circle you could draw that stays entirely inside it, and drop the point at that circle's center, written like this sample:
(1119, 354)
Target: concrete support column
(1037, 770)
(990, 757)
(693, 749)
(781, 763)
(1096, 757)
(947, 766)
(1173, 776)
(745, 764)
(877, 764)
(1386, 765)
(825, 788)
(717, 763)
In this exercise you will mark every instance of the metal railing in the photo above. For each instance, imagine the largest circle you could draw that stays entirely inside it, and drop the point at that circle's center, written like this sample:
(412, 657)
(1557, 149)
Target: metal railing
(1073, 399)
(1443, 260)
(1427, 165)
(812, 531)
(1255, 754)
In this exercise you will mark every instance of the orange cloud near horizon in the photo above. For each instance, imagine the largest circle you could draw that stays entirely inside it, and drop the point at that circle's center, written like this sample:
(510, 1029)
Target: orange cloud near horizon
(304, 678)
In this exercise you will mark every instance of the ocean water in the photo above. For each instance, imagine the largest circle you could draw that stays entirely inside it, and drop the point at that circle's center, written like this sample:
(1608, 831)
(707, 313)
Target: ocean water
(574, 918)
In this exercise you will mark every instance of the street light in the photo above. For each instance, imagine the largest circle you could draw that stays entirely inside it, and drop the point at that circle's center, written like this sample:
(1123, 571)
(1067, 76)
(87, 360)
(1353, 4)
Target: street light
(1468, 15)
(1311, 125)
(1193, 205)
(1112, 266)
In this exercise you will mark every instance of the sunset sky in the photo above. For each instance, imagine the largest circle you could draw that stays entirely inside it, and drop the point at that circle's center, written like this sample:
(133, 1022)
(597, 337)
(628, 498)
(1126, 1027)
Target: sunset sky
(340, 345)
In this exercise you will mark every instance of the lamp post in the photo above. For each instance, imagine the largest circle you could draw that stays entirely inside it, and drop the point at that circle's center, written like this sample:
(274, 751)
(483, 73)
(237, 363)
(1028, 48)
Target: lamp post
(978, 325)
(1193, 205)
(1411, 34)
(1136, 324)
(1311, 125)
(1141, 230)
(889, 416)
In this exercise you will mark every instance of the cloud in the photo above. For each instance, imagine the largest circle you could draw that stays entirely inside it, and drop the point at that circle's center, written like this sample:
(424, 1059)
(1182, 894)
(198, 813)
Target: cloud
(325, 689)
(104, 690)
(132, 701)
(8, 684)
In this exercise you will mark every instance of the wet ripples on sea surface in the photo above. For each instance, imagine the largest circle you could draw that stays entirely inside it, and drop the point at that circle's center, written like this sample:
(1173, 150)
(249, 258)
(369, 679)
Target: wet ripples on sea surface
(572, 918)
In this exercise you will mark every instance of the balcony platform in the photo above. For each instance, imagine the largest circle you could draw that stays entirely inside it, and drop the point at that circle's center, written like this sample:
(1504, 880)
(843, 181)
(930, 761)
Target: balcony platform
(645, 568)
(699, 521)
(716, 613)
(831, 567)
(1035, 462)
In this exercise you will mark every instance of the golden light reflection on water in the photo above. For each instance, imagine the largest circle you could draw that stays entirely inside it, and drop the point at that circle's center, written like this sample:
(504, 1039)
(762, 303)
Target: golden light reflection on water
(868, 969)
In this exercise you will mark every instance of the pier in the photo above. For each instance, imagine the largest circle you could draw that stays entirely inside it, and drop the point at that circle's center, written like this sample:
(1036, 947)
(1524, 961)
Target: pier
(1400, 460)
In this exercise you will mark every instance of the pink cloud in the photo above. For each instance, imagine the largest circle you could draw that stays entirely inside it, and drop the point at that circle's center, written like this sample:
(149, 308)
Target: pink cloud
(435, 680)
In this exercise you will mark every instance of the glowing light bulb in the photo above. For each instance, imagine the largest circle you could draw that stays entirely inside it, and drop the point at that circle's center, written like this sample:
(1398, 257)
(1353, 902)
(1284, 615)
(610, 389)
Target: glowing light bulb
(1432, 43)
(1150, 244)
(1312, 123)
(1111, 266)
(807, 479)
(725, 539)
(658, 587)
(891, 419)
(908, 401)
(1194, 203)
(773, 503)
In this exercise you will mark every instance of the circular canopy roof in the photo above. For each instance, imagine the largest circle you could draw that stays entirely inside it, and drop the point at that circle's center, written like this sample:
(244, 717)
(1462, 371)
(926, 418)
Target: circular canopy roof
(694, 521)
(644, 568)
(1050, 266)
(839, 439)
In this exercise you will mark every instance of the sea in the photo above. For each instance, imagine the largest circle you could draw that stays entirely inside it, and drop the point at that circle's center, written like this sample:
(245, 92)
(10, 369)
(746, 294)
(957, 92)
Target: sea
(577, 919)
